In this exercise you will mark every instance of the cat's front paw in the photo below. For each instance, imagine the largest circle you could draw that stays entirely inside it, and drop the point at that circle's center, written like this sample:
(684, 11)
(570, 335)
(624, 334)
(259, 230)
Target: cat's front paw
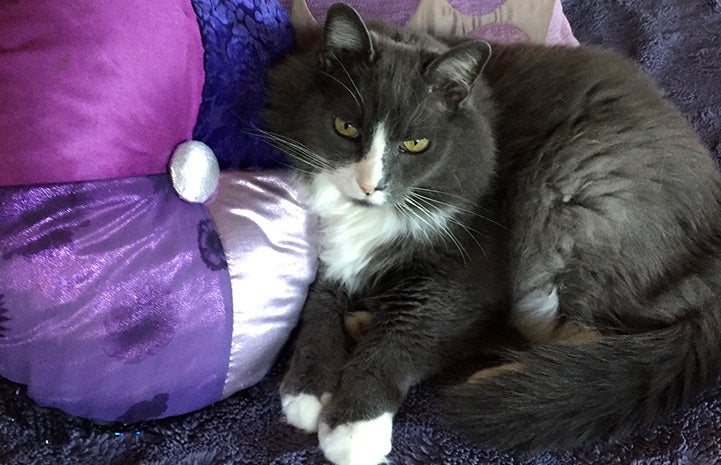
(357, 443)
(303, 410)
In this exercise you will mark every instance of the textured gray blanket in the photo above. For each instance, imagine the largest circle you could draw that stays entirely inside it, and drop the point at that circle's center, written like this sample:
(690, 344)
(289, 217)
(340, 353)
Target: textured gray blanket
(679, 44)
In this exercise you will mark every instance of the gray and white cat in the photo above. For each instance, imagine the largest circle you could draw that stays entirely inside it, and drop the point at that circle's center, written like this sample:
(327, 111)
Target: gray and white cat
(460, 191)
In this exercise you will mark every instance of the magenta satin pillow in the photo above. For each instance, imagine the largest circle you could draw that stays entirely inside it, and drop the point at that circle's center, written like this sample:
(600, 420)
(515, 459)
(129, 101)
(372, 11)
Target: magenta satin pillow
(95, 89)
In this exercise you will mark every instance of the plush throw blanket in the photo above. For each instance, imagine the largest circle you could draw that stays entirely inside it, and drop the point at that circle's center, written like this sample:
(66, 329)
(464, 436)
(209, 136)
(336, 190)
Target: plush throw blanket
(679, 43)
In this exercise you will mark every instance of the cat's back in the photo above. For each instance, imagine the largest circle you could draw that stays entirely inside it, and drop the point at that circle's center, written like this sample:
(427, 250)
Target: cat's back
(585, 137)
(563, 71)
(578, 115)
(579, 88)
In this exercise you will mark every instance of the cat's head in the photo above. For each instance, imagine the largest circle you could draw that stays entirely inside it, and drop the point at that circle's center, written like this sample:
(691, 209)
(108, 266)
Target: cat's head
(384, 116)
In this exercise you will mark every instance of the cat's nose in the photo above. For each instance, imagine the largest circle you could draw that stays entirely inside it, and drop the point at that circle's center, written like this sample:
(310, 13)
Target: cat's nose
(367, 189)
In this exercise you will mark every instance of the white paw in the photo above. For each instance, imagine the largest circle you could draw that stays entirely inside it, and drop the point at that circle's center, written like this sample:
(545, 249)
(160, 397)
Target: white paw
(303, 410)
(359, 443)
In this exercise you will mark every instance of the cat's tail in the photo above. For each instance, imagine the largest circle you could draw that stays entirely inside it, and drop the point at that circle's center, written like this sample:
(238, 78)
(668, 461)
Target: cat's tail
(561, 395)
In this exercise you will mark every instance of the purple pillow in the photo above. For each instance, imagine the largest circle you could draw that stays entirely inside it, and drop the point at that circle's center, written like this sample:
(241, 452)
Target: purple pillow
(242, 38)
(95, 89)
(119, 300)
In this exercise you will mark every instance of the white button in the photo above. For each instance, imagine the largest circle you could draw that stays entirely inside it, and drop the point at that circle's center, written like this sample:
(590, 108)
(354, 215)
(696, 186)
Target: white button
(194, 171)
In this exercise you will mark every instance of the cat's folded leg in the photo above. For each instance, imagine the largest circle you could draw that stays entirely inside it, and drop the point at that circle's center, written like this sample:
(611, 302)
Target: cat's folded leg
(356, 424)
(321, 350)
(409, 339)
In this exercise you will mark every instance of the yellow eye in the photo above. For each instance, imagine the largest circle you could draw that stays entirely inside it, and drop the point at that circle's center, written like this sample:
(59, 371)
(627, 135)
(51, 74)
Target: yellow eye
(344, 128)
(415, 145)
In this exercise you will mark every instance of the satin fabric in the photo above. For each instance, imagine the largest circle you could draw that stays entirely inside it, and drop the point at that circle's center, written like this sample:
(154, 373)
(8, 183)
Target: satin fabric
(271, 247)
(95, 89)
(114, 297)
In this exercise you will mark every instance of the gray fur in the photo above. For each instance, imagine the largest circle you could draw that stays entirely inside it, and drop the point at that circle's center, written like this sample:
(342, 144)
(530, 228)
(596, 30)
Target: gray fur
(347, 33)
(566, 172)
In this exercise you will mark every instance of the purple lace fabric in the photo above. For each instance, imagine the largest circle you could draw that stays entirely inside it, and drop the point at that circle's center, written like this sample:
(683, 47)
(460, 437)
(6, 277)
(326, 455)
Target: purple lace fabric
(241, 39)
(115, 298)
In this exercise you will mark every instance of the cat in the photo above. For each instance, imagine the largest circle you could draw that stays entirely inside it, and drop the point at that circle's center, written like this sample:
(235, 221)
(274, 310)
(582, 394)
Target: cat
(464, 188)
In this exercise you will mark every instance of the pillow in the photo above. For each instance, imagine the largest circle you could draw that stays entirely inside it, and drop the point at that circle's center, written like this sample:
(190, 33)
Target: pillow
(96, 91)
(540, 21)
(118, 299)
(241, 38)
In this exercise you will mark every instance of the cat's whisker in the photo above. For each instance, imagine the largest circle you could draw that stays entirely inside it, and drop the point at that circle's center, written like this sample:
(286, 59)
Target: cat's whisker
(300, 156)
(305, 154)
(410, 215)
(469, 230)
(419, 107)
(453, 220)
(460, 209)
(464, 202)
(461, 198)
(291, 166)
(434, 203)
(358, 103)
(464, 253)
(300, 148)
(294, 167)
(436, 191)
(439, 225)
(293, 148)
(350, 78)
(289, 146)
(414, 216)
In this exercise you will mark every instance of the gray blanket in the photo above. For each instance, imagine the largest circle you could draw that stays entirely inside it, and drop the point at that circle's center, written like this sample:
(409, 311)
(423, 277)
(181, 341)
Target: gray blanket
(679, 44)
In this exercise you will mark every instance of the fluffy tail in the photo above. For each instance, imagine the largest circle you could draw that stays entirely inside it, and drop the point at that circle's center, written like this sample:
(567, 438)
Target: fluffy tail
(563, 395)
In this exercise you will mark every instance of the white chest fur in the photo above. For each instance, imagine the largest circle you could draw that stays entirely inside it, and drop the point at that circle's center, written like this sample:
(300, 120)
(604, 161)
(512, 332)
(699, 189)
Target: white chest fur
(351, 233)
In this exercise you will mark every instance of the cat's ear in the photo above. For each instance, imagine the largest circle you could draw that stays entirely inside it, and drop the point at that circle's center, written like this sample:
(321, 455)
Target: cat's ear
(454, 72)
(345, 35)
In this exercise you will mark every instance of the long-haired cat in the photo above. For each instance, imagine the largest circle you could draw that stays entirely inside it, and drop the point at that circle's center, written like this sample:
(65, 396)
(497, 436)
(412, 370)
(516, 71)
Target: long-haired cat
(461, 187)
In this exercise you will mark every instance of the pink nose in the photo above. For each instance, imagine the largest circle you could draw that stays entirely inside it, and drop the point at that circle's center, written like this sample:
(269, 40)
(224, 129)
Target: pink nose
(366, 188)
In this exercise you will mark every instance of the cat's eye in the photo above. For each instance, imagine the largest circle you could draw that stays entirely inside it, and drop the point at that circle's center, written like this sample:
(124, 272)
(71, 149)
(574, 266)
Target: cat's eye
(344, 128)
(415, 145)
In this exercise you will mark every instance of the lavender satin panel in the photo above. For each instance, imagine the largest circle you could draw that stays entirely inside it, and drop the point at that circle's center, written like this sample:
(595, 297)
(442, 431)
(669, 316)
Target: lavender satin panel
(114, 298)
(271, 245)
